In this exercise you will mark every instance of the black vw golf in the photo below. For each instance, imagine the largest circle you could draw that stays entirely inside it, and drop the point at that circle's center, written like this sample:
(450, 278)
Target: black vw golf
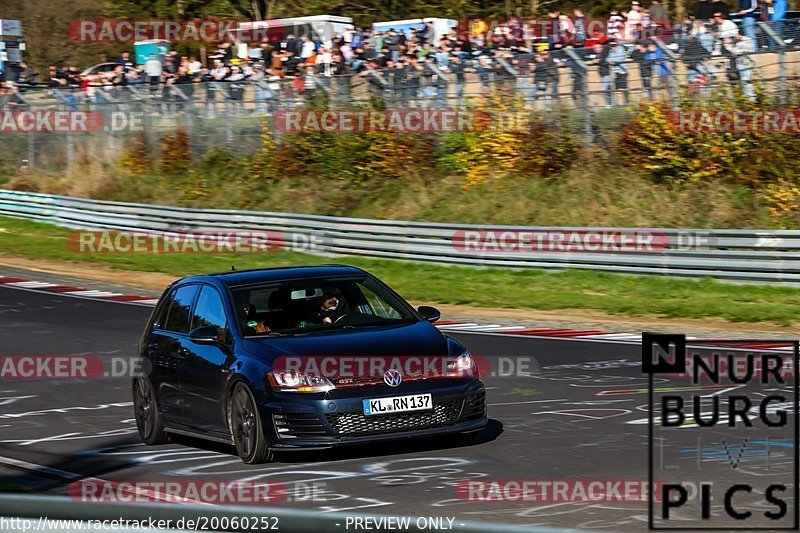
(300, 357)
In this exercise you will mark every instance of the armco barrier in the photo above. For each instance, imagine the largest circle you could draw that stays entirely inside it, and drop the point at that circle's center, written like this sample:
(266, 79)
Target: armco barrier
(751, 255)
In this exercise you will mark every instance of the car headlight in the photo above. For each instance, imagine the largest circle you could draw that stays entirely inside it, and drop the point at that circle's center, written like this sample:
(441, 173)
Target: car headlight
(296, 382)
(463, 365)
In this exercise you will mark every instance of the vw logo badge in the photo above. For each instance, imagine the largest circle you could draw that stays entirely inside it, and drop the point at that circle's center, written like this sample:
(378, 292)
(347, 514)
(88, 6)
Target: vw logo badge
(393, 377)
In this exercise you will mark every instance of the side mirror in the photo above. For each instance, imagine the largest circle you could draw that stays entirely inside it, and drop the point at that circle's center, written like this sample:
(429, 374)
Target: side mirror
(431, 314)
(204, 335)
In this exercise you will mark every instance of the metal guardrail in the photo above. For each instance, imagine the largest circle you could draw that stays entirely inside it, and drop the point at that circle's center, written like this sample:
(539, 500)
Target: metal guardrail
(56, 508)
(750, 255)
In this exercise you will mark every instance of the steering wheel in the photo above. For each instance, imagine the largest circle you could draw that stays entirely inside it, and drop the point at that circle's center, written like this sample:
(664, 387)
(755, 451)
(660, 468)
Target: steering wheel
(341, 317)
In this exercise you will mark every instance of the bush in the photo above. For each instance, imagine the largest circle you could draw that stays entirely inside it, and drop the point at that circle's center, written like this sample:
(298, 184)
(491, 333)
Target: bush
(783, 201)
(355, 158)
(652, 142)
(137, 158)
(511, 141)
(175, 156)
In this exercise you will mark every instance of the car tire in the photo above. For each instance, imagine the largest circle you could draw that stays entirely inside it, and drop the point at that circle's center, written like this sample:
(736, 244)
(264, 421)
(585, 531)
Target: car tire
(247, 428)
(149, 421)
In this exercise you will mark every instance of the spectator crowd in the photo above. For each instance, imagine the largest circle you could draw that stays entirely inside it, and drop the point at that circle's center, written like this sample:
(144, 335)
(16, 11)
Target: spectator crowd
(409, 66)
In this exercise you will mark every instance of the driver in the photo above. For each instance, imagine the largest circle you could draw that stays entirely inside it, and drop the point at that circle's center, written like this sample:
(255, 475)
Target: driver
(328, 310)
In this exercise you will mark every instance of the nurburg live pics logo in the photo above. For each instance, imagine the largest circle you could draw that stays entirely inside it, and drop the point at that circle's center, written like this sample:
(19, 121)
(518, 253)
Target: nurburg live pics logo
(745, 475)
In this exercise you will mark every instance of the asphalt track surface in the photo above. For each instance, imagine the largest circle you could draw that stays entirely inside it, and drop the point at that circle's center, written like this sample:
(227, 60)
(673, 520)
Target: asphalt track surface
(558, 418)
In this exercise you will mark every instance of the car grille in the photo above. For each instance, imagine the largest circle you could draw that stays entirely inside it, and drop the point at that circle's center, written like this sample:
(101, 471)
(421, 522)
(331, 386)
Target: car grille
(299, 425)
(356, 423)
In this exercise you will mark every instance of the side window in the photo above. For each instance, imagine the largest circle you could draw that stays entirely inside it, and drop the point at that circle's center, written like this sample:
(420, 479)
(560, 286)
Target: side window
(379, 307)
(210, 311)
(179, 313)
(161, 317)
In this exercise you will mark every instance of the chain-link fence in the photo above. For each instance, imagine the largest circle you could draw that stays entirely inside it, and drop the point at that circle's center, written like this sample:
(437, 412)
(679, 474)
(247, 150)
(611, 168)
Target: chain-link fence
(229, 114)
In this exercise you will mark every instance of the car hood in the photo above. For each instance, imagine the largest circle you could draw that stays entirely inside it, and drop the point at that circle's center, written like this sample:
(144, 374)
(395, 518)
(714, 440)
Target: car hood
(417, 339)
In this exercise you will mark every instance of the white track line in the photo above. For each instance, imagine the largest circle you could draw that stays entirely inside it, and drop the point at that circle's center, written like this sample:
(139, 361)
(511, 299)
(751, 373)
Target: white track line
(475, 327)
(72, 476)
(31, 284)
(52, 472)
(506, 328)
(612, 336)
(141, 303)
(93, 294)
(151, 301)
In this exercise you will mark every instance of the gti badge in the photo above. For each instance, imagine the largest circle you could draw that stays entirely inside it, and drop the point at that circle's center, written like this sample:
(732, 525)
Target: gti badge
(393, 377)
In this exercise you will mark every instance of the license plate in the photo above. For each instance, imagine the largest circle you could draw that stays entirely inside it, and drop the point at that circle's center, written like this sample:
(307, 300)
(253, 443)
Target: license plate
(398, 404)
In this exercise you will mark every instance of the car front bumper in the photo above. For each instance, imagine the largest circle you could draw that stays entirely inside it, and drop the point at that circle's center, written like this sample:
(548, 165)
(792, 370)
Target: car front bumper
(338, 419)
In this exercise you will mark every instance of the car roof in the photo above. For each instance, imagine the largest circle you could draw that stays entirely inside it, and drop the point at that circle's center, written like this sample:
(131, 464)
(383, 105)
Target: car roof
(233, 278)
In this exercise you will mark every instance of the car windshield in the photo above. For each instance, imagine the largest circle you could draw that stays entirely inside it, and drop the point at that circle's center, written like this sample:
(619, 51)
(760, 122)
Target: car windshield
(314, 305)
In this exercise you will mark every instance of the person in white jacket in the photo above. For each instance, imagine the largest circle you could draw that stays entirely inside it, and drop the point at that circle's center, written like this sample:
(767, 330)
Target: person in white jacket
(741, 46)
(633, 22)
(153, 70)
(726, 29)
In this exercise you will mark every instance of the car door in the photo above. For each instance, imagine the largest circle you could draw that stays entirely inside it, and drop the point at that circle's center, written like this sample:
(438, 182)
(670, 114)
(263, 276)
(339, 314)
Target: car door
(203, 372)
(166, 349)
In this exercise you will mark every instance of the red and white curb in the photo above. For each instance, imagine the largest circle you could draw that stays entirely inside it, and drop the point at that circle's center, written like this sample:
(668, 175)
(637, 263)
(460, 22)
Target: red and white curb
(69, 290)
(469, 327)
(445, 325)
(596, 335)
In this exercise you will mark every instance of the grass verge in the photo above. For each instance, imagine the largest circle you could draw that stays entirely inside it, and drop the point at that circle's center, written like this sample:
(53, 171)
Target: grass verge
(616, 294)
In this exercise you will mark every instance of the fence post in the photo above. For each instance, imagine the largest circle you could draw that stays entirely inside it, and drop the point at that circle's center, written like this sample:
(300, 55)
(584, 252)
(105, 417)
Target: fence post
(70, 148)
(381, 79)
(506, 66)
(587, 110)
(228, 124)
(673, 71)
(27, 105)
(31, 151)
(772, 34)
(112, 144)
(444, 82)
(515, 74)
